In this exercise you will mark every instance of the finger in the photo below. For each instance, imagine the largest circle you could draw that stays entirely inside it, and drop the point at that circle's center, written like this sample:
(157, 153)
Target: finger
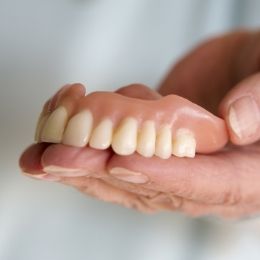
(30, 160)
(224, 178)
(68, 161)
(86, 169)
(30, 163)
(33, 160)
(139, 91)
(226, 61)
(100, 189)
(241, 110)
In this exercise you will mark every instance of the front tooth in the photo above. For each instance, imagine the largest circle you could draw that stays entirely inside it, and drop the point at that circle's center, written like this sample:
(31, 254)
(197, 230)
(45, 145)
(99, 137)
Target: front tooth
(41, 122)
(78, 129)
(163, 146)
(184, 144)
(101, 137)
(54, 127)
(146, 139)
(125, 138)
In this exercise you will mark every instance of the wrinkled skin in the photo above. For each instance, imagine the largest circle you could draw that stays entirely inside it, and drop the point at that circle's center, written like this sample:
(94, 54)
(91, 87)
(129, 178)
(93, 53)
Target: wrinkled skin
(226, 183)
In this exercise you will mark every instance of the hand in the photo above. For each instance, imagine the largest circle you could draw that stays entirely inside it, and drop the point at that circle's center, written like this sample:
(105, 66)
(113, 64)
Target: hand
(216, 76)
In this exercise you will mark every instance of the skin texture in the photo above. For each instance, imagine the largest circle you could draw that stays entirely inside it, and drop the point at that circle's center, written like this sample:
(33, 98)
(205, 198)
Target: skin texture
(224, 184)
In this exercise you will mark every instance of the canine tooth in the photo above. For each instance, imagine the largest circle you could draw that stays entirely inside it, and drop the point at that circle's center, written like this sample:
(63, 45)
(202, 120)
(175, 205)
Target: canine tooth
(78, 130)
(184, 144)
(41, 121)
(125, 137)
(163, 146)
(54, 127)
(146, 139)
(101, 136)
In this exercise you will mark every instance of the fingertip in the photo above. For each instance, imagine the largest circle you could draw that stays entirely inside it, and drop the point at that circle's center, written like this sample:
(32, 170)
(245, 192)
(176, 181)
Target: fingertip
(139, 91)
(241, 111)
(30, 160)
(243, 120)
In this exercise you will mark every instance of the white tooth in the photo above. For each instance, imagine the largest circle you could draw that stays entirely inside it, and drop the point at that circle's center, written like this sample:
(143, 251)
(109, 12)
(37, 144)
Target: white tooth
(146, 139)
(101, 136)
(41, 121)
(184, 144)
(125, 137)
(163, 146)
(78, 130)
(54, 127)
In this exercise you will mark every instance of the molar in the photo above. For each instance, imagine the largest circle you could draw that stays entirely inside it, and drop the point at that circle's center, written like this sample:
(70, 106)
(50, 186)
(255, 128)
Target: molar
(78, 130)
(163, 146)
(184, 144)
(146, 139)
(101, 137)
(125, 137)
(54, 127)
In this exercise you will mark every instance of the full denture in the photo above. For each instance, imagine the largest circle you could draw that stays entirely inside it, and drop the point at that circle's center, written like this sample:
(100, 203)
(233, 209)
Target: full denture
(168, 126)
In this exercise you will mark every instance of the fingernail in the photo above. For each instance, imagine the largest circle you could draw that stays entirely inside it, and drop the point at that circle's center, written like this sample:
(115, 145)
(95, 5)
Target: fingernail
(66, 172)
(244, 117)
(128, 176)
(42, 176)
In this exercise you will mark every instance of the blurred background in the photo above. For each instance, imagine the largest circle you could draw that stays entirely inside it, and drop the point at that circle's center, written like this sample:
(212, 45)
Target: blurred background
(103, 44)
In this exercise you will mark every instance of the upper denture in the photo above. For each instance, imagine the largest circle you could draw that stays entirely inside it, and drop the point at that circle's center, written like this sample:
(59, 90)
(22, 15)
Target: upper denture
(133, 121)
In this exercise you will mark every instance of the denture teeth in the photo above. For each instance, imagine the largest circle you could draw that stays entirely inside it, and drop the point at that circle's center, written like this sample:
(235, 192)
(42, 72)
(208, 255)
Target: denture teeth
(78, 130)
(146, 139)
(125, 137)
(54, 127)
(184, 144)
(101, 136)
(163, 146)
(41, 121)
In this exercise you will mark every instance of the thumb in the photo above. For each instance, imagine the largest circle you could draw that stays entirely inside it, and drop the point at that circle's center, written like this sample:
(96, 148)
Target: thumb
(241, 110)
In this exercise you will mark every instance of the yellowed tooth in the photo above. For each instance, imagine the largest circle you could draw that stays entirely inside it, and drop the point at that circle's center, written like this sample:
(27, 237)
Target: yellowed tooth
(101, 136)
(163, 146)
(78, 130)
(125, 137)
(146, 139)
(41, 121)
(54, 127)
(184, 144)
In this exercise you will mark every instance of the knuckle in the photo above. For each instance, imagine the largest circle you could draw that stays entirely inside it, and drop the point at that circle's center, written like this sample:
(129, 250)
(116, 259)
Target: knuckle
(232, 197)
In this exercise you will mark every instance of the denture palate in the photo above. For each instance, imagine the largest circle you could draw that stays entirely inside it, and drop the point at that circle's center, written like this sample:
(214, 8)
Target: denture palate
(168, 126)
